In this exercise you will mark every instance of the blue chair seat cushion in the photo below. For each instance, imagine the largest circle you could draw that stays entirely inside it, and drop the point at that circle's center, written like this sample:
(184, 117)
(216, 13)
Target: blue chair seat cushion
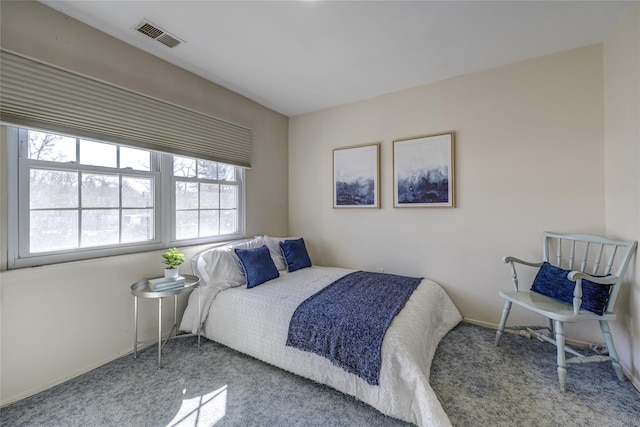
(258, 265)
(553, 282)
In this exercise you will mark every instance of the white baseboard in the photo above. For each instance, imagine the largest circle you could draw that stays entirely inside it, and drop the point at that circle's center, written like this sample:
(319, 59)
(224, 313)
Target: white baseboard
(494, 326)
(65, 378)
(635, 381)
(55, 382)
(627, 372)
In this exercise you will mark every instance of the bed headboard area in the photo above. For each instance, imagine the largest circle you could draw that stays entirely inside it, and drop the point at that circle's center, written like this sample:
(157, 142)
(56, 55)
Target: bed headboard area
(220, 266)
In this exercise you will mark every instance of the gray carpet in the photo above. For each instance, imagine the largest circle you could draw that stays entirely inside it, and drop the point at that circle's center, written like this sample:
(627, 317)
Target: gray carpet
(478, 385)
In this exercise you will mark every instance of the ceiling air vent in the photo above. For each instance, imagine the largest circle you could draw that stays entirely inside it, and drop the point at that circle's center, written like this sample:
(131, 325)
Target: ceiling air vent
(151, 30)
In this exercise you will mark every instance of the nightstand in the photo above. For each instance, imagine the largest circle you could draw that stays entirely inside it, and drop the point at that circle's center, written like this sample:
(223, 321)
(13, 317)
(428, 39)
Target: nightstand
(141, 289)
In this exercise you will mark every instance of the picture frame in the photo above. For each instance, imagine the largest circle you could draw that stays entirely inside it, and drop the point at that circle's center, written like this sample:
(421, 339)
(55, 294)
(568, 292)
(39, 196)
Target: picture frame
(356, 176)
(423, 171)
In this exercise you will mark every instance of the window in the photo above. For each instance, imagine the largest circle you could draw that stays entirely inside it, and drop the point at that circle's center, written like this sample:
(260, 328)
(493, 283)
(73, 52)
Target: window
(78, 198)
(206, 195)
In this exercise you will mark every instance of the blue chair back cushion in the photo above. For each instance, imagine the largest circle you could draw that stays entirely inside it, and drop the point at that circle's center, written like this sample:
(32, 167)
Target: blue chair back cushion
(295, 252)
(553, 282)
(258, 265)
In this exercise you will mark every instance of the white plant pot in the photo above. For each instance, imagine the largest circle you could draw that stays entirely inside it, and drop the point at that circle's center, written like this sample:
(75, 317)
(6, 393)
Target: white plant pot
(170, 273)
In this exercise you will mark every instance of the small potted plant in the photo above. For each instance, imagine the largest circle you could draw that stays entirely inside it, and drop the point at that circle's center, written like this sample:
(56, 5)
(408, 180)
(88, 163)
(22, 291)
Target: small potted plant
(173, 259)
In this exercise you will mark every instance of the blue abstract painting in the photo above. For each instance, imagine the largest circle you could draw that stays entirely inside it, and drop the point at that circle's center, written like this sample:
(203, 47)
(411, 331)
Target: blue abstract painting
(355, 176)
(423, 171)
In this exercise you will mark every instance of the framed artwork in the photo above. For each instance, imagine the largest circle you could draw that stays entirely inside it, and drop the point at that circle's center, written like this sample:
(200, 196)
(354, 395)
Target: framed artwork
(356, 176)
(423, 171)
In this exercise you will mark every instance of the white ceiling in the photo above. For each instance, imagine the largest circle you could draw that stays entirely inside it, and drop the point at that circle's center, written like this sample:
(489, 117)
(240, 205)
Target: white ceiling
(300, 56)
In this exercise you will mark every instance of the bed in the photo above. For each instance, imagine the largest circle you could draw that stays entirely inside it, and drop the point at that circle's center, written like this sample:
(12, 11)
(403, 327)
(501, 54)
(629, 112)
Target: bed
(255, 321)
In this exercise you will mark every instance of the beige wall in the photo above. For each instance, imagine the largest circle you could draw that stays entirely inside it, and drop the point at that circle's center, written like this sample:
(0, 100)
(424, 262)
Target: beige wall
(622, 165)
(529, 157)
(530, 141)
(62, 320)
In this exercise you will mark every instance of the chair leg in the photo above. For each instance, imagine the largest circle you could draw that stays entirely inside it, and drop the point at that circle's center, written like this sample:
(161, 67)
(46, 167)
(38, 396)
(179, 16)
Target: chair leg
(615, 361)
(503, 321)
(550, 328)
(562, 359)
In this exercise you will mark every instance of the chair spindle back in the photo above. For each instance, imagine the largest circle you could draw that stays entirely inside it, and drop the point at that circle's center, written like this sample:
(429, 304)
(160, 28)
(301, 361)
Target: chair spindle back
(597, 256)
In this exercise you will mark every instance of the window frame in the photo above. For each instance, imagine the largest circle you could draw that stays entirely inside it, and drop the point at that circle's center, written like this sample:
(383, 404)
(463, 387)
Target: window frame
(239, 182)
(18, 179)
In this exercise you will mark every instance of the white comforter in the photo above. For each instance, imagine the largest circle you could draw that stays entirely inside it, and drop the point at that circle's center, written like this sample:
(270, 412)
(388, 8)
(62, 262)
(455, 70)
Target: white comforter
(256, 321)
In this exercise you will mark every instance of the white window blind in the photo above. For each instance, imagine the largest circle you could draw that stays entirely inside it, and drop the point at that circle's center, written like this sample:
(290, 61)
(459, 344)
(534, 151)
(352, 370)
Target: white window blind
(35, 94)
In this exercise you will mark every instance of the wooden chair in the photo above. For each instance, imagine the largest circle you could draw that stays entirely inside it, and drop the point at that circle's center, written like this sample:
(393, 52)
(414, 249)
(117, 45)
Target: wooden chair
(587, 278)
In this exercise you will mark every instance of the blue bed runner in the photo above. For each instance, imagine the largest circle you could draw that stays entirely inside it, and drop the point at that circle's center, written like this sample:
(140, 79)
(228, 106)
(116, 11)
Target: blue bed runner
(346, 321)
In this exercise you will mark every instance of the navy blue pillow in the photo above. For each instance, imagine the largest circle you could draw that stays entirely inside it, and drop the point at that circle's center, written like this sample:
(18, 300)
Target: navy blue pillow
(258, 265)
(553, 282)
(295, 252)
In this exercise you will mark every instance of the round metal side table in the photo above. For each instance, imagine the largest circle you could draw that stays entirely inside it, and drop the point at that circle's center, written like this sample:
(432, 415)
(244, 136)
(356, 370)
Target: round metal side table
(141, 289)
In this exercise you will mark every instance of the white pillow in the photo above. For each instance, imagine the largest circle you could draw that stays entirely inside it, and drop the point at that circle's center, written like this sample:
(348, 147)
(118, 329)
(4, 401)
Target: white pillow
(276, 253)
(221, 266)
